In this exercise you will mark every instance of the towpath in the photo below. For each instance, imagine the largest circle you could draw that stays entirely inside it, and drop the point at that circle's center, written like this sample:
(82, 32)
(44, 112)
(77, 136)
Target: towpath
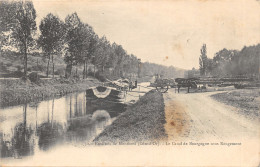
(198, 117)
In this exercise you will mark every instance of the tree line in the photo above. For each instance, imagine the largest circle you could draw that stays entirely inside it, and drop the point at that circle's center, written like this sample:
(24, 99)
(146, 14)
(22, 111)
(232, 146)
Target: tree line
(152, 69)
(73, 39)
(245, 62)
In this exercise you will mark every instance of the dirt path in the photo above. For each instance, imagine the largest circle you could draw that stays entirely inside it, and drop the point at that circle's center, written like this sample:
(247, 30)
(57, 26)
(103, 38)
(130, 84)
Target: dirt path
(197, 117)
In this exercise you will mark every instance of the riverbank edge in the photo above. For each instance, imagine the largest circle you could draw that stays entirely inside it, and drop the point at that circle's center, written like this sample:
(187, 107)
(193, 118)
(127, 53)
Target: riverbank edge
(142, 121)
(16, 92)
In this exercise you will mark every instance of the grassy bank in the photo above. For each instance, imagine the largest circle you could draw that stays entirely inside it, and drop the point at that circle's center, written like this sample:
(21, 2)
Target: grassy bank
(143, 121)
(247, 100)
(16, 91)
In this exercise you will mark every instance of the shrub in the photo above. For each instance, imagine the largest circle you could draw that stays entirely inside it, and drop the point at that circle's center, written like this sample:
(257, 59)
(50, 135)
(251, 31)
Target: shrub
(38, 68)
(17, 74)
(19, 68)
(60, 72)
(100, 77)
(33, 77)
(91, 73)
(2, 67)
(8, 64)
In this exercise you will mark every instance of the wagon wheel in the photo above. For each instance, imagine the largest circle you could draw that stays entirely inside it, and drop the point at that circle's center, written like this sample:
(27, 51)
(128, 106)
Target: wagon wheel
(162, 89)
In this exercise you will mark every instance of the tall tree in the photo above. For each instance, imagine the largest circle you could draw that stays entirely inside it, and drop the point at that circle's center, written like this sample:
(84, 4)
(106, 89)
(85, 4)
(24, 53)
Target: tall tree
(120, 53)
(7, 13)
(203, 60)
(51, 38)
(91, 51)
(21, 24)
(79, 40)
(100, 56)
(87, 35)
(112, 58)
(73, 24)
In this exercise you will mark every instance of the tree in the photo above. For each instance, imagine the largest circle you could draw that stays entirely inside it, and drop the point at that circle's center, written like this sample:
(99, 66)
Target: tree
(234, 62)
(51, 38)
(100, 56)
(7, 13)
(112, 57)
(20, 22)
(134, 64)
(78, 41)
(209, 65)
(88, 39)
(221, 64)
(91, 51)
(120, 53)
(203, 60)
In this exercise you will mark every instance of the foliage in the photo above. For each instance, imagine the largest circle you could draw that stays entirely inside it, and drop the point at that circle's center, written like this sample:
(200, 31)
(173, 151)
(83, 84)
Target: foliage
(33, 77)
(51, 38)
(74, 39)
(60, 72)
(152, 69)
(100, 57)
(234, 63)
(18, 18)
(203, 60)
(78, 39)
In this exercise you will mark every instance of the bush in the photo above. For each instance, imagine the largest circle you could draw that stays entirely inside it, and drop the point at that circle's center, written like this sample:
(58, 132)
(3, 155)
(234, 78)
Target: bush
(15, 74)
(2, 67)
(33, 77)
(91, 73)
(60, 72)
(19, 68)
(37, 68)
(9, 64)
(100, 77)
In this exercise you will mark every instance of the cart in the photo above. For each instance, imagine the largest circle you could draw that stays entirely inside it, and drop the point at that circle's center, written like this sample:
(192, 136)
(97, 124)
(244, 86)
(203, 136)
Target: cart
(161, 85)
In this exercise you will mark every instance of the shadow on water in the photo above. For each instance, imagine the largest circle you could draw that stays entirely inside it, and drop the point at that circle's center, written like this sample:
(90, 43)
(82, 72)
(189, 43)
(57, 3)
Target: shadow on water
(72, 119)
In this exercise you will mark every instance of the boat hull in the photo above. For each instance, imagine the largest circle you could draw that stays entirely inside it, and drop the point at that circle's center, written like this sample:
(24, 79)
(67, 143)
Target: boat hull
(105, 98)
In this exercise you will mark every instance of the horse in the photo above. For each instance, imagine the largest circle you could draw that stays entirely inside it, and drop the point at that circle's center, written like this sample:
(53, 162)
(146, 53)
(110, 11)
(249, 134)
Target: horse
(186, 83)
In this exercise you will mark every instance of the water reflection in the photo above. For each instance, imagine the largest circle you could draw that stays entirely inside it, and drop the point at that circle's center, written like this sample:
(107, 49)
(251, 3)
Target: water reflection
(49, 135)
(20, 141)
(30, 128)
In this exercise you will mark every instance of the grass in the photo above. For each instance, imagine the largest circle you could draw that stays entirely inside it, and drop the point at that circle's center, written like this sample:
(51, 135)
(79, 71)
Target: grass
(14, 92)
(143, 121)
(247, 100)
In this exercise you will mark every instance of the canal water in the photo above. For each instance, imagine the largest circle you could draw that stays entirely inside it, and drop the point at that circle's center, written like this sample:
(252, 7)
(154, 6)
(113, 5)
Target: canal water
(33, 127)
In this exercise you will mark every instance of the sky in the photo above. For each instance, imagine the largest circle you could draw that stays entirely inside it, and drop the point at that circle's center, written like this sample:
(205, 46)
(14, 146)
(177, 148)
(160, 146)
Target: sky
(169, 32)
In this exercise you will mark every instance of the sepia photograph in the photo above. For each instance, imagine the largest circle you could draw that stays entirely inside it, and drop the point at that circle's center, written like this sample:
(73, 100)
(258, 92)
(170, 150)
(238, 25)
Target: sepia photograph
(129, 83)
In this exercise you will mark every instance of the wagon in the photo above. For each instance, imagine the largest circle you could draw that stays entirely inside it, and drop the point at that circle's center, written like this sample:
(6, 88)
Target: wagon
(162, 85)
(189, 83)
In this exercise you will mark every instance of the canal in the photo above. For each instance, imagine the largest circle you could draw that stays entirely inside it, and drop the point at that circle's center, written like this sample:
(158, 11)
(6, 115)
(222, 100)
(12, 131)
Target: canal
(33, 128)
